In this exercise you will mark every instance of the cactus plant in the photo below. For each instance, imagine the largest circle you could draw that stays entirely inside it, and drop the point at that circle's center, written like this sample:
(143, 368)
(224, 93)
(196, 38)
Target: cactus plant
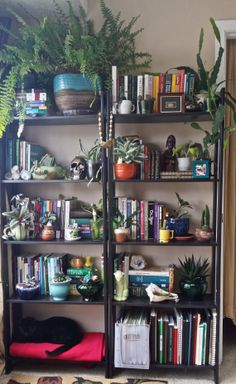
(205, 233)
(205, 219)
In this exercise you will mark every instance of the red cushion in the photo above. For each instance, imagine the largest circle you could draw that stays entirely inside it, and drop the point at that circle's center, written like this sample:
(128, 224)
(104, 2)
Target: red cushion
(91, 348)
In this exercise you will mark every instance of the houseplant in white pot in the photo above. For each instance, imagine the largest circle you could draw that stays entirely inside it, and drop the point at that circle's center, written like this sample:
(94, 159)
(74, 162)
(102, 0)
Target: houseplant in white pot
(183, 156)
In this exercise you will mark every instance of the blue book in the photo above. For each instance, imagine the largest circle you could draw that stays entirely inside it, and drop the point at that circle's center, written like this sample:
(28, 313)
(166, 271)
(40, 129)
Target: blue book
(149, 279)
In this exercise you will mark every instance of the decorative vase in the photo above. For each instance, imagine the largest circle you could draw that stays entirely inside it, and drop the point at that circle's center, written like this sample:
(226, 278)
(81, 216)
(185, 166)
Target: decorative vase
(204, 234)
(73, 93)
(125, 171)
(90, 291)
(48, 233)
(121, 234)
(60, 290)
(180, 226)
(19, 232)
(96, 229)
(193, 290)
(94, 171)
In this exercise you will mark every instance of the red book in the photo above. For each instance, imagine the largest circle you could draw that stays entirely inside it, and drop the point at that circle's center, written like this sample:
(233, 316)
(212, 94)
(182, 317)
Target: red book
(181, 81)
(175, 344)
(142, 221)
(146, 162)
(194, 345)
(162, 83)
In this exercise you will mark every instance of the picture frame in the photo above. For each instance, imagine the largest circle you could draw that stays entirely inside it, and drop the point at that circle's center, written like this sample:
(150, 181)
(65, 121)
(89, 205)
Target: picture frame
(200, 169)
(171, 103)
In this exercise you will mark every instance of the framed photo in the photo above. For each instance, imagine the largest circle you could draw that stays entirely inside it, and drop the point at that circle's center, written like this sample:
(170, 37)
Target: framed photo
(171, 102)
(201, 169)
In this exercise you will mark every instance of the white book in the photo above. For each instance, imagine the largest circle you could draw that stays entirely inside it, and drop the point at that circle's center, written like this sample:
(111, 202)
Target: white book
(114, 84)
(139, 91)
(212, 359)
(126, 87)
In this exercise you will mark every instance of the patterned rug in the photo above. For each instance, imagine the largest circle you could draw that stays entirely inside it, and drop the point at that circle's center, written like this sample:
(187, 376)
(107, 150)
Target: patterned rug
(23, 379)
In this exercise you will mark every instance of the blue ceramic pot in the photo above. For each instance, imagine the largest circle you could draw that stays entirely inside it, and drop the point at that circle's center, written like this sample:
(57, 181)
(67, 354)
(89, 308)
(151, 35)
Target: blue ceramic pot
(60, 290)
(75, 81)
(27, 293)
(179, 226)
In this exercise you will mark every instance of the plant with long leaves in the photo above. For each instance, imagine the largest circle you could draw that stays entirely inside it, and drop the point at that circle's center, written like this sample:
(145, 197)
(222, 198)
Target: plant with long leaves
(128, 151)
(217, 99)
(120, 221)
(181, 207)
(19, 213)
(193, 270)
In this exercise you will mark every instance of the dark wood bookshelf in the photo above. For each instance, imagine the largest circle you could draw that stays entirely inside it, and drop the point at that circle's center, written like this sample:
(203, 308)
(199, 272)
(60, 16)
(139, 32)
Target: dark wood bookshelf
(157, 118)
(47, 299)
(88, 119)
(170, 180)
(38, 181)
(170, 243)
(58, 242)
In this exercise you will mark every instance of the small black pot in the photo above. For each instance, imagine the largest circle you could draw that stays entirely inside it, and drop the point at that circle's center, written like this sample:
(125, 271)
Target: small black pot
(193, 290)
(94, 172)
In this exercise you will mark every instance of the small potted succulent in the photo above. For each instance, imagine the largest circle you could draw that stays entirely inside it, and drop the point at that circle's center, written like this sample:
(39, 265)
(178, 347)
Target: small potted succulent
(183, 156)
(179, 221)
(48, 232)
(193, 274)
(93, 159)
(128, 153)
(28, 289)
(90, 287)
(97, 221)
(122, 225)
(19, 218)
(59, 286)
(205, 233)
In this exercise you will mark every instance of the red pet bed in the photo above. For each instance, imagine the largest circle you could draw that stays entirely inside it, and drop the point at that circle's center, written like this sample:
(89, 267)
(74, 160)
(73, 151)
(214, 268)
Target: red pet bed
(91, 348)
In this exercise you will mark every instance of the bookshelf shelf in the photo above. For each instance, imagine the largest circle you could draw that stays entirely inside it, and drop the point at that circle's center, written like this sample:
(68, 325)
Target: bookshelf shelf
(57, 242)
(170, 244)
(206, 302)
(63, 181)
(171, 180)
(157, 118)
(89, 119)
(48, 300)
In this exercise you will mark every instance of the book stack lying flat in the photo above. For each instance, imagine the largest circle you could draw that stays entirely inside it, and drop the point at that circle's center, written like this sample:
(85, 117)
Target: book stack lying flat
(176, 175)
(183, 337)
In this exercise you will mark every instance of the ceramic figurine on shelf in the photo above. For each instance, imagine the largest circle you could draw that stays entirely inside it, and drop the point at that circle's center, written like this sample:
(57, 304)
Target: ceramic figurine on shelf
(121, 286)
(168, 160)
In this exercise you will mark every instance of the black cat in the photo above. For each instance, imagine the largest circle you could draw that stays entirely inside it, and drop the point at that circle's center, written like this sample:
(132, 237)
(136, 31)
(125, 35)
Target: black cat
(57, 330)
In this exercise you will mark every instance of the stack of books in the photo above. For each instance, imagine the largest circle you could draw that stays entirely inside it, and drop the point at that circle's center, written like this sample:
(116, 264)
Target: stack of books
(34, 102)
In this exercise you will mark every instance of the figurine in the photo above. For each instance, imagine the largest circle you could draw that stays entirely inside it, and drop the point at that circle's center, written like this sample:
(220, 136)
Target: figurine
(169, 162)
(138, 262)
(47, 168)
(121, 286)
(79, 168)
(156, 294)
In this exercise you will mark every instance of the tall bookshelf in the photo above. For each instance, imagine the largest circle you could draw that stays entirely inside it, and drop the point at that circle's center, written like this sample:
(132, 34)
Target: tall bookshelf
(211, 300)
(14, 307)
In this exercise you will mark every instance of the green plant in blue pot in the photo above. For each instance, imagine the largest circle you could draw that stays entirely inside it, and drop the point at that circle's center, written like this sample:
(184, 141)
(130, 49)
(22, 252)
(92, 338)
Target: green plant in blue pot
(59, 286)
(193, 273)
(179, 220)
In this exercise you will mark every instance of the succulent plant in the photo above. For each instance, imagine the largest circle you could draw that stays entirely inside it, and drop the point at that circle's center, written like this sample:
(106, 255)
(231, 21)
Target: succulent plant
(205, 219)
(128, 151)
(181, 208)
(60, 277)
(48, 218)
(193, 270)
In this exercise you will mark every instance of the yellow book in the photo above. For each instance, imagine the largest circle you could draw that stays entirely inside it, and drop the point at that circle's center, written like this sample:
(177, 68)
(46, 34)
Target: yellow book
(155, 91)
(173, 83)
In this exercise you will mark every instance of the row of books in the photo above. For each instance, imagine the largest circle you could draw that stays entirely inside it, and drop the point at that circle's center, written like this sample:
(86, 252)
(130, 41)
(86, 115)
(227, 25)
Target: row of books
(22, 153)
(142, 87)
(34, 102)
(44, 266)
(149, 217)
(66, 213)
(138, 280)
(183, 337)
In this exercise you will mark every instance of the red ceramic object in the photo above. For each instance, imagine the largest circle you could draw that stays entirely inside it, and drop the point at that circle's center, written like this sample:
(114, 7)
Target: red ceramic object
(125, 171)
(48, 233)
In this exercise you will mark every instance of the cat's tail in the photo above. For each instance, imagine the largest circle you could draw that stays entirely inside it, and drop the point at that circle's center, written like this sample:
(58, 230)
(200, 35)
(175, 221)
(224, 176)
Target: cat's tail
(61, 349)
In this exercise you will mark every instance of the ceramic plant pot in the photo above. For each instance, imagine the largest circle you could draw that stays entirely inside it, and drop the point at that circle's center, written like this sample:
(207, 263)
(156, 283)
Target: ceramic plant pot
(60, 290)
(204, 234)
(48, 233)
(27, 293)
(184, 163)
(179, 226)
(94, 171)
(193, 290)
(121, 234)
(125, 171)
(90, 291)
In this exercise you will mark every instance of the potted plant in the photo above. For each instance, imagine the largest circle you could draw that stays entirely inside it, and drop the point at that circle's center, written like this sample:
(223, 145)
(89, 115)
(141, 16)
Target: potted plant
(59, 286)
(28, 289)
(128, 153)
(217, 100)
(93, 158)
(122, 225)
(179, 221)
(193, 274)
(90, 286)
(19, 218)
(205, 233)
(182, 154)
(97, 221)
(67, 44)
(48, 232)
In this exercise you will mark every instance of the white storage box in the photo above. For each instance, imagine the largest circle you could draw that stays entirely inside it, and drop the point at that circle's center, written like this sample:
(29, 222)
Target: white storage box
(132, 345)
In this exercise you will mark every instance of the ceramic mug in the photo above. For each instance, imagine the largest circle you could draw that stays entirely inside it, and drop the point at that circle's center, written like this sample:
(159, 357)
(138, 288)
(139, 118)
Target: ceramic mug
(71, 234)
(166, 235)
(125, 107)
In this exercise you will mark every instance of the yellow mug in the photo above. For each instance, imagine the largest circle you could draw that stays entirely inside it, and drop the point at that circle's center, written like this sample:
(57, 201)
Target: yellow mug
(166, 235)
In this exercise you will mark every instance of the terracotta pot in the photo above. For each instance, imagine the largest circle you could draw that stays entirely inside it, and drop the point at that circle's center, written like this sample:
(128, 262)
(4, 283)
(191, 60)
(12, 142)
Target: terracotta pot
(122, 234)
(48, 233)
(204, 234)
(125, 171)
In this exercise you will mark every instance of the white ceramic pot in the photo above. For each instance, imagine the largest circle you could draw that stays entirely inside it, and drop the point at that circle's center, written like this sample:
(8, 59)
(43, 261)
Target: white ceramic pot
(184, 163)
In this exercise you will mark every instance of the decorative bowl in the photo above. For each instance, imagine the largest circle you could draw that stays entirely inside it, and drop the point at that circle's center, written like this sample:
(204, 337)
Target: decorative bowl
(27, 293)
(90, 291)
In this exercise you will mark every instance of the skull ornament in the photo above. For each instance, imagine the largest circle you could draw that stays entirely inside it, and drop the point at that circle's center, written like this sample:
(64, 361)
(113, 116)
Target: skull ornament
(78, 168)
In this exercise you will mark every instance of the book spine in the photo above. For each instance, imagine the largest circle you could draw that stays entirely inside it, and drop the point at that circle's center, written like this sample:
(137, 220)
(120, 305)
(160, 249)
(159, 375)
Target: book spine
(149, 279)
(114, 85)
(150, 220)
(142, 229)
(139, 92)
